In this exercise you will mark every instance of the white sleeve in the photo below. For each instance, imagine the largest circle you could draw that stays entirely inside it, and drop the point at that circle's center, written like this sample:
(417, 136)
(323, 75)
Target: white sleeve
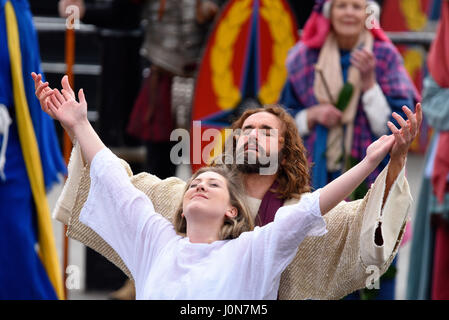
(301, 123)
(377, 110)
(277, 242)
(123, 215)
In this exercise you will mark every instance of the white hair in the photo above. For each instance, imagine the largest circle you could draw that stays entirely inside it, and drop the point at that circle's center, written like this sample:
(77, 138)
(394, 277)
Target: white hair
(372, 6)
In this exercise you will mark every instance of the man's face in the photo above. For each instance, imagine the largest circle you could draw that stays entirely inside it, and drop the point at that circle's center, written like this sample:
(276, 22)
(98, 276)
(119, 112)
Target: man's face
(259, 143)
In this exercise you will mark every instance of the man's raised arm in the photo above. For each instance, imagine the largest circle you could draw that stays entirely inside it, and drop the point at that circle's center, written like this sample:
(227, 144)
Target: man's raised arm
(397, 144)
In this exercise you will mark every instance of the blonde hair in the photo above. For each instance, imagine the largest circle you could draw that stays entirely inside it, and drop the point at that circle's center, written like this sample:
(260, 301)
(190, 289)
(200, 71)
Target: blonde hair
(232, 227)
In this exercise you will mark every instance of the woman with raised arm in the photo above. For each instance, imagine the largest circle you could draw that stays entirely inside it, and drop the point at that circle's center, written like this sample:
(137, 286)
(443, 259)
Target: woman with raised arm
(212, 249)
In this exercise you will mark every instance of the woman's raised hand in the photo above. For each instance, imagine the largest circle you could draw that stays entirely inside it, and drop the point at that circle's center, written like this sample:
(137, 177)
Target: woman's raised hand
(66, 109)
(378, 150)
(72, 114)
(42, 91)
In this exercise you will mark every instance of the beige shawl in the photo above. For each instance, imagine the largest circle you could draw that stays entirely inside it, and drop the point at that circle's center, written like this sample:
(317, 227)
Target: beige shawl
(327, 267)
(330, 67)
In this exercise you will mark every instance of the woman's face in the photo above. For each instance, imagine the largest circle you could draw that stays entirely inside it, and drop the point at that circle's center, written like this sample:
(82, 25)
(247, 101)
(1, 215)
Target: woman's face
(348, 17)
(208, 196)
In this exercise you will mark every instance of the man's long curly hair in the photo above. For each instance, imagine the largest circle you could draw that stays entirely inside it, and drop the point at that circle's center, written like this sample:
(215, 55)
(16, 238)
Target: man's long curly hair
(293, 173)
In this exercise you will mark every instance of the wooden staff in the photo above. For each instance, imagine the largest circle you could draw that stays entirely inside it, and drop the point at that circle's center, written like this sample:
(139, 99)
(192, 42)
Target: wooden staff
(67, 144)
(326, 86)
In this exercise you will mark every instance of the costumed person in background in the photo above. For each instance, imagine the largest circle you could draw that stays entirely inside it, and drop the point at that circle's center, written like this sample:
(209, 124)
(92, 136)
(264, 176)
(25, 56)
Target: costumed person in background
(345, 80)
(175, 32)
(30, 162)
(428, 275)
(360, 233)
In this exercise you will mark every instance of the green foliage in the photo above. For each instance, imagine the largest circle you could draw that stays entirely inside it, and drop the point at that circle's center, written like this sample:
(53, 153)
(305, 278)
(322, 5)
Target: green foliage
(345, 96)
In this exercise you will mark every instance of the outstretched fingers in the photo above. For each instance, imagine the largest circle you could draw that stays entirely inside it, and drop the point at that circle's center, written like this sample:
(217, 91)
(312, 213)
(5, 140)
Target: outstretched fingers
(36, 78)
(396, 132)
(411, 120)
(418, 113)
(52, 110)
(56, 102)
(405, 127)
(81, 96)
(45, 95)
(67, 95)
(45, 99)
(40, 88)
(66, 86)
(59, 96)
(38, 84)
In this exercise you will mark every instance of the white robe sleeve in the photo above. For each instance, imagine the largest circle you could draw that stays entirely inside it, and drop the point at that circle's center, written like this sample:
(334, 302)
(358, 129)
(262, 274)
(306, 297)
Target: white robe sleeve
(273, 246)
(123, 215)
(377, 110)
(301, 123)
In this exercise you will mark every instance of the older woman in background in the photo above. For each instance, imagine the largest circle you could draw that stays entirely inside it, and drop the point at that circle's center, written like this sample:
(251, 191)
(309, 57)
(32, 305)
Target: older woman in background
(346, 80)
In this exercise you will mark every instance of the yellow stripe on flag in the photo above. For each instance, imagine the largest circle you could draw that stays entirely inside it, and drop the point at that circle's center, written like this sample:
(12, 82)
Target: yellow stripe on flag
(31, 156)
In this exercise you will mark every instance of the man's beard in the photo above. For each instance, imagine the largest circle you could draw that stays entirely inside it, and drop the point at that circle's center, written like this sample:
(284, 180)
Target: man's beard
(250, 167)
(255, 166)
